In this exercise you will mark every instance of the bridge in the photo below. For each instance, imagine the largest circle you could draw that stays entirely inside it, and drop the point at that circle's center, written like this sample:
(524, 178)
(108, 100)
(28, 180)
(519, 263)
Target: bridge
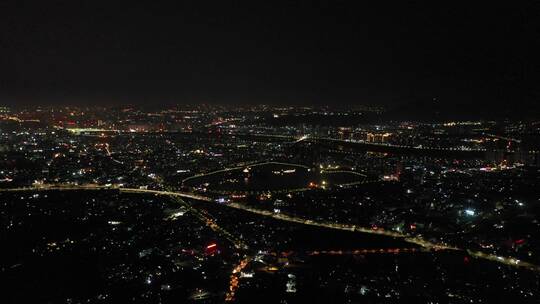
(374, 147)
(368, 251)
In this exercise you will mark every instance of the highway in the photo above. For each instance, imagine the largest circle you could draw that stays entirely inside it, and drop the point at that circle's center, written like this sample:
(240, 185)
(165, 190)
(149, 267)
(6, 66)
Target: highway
(177, 199)
(315, 139)
(511, 261)
(369, 146)
(390, 148)
(239, 244)
(503, 137)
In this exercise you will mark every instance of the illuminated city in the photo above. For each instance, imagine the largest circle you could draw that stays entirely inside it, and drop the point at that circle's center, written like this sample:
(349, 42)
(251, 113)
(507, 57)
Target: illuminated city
(305, 153)
(270, 204)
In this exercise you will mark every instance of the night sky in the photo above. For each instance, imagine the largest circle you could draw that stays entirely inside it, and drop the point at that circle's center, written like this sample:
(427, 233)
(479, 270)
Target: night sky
(309, 52)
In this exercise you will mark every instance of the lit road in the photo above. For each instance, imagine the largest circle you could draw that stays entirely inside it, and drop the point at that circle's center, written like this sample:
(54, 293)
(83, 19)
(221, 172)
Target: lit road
(368, 251)
(503, 137)
(336, 140)
(511, 261)
(309, 138)
(242, 166)
(177, 199)
(301, 139)
(280, 191)
(234, 283)
(239, 244)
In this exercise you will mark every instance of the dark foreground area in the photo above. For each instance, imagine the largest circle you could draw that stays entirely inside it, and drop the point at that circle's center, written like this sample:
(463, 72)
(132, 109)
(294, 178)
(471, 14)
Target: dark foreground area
(108, 247)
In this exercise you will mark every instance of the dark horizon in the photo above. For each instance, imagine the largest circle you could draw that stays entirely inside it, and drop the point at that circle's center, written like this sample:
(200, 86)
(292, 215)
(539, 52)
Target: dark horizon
(336, 53)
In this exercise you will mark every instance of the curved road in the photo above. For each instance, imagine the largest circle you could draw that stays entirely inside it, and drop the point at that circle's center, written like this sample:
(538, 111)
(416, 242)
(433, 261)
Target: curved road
(347, 227)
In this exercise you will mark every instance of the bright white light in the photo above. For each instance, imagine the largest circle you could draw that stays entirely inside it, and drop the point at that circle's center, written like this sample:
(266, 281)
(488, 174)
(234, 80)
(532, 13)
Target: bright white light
(470, 212)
